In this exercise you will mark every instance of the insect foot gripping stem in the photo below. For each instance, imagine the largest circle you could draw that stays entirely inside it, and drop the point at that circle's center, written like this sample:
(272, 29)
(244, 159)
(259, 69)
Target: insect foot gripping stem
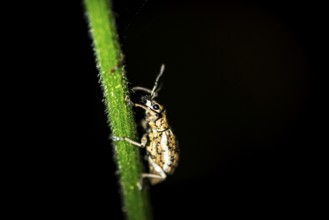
(115, 138)
(128, 100)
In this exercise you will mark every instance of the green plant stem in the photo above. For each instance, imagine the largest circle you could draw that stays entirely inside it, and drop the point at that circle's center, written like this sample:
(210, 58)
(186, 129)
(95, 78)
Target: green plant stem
(120, 116)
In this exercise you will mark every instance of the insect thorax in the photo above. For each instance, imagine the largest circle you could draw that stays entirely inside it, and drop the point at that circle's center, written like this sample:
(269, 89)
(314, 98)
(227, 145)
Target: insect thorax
(158, 123)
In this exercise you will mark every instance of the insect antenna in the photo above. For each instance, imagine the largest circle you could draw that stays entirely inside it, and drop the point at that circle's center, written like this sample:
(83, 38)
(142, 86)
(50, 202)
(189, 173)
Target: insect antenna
(153, 92)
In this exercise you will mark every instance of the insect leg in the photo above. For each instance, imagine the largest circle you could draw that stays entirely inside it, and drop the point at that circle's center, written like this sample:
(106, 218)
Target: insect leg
(128, 100)
(138, 88)
(142, 144)
(115, 138)
(156, 177)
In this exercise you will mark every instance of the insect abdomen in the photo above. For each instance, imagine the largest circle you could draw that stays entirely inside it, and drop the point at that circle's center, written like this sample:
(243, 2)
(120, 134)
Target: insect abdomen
(163, 150)
(170, 152)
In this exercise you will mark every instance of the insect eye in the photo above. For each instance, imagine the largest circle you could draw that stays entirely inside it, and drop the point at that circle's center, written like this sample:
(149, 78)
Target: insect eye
(156, 107)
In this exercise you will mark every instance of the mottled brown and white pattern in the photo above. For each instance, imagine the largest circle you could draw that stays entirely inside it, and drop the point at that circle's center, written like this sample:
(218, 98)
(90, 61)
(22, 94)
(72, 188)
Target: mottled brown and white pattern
(162, 150)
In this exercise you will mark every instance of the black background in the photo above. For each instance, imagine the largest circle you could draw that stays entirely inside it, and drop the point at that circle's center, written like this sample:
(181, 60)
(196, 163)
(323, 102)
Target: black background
(242, 92)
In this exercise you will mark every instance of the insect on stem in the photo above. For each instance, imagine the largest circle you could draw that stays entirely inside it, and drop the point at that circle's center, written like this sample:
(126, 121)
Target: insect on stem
(159, 140)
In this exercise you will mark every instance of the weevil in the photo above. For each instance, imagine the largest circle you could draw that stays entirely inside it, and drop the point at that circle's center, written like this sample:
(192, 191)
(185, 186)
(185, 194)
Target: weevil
(161, 146)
